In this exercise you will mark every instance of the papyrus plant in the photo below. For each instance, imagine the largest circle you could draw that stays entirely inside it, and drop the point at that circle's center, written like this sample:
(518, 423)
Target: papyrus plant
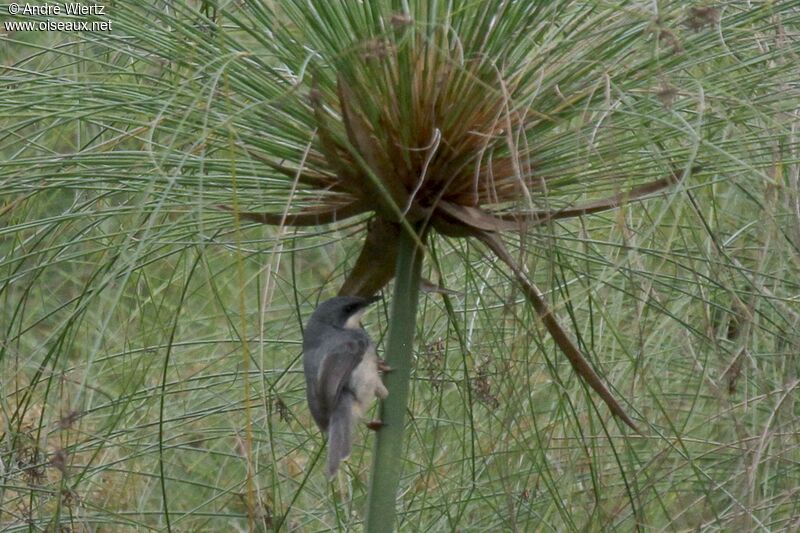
(430, 119)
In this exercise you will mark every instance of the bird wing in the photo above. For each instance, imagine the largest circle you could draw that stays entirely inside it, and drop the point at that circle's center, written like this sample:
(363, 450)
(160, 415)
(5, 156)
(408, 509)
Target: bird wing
(342, 358)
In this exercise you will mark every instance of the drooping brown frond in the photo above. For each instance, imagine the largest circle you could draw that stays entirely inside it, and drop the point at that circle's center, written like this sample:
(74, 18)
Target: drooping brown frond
(474, 218)
(375, 265)
(605, 204)
(560, 336)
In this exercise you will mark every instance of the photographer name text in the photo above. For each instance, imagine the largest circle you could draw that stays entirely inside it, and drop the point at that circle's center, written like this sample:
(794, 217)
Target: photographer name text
(55, 10)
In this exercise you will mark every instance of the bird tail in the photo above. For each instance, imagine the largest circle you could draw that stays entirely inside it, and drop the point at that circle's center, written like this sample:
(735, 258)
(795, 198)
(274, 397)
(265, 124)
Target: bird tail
(340, 433)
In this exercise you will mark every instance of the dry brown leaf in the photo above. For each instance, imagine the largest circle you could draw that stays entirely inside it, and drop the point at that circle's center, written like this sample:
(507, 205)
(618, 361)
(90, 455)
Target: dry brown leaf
(477, 218)
(574, 355)
(375, 265)
(612, 202)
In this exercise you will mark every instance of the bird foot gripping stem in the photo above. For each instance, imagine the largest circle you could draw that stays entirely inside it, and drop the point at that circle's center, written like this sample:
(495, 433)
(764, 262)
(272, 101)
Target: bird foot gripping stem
(383, 367)
(375, 424)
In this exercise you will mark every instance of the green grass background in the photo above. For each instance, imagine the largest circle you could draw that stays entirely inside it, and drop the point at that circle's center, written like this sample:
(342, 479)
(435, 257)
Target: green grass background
(123, 392)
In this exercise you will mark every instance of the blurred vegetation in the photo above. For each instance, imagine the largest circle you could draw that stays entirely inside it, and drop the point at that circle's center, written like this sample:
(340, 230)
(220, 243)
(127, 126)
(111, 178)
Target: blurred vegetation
(149, 342)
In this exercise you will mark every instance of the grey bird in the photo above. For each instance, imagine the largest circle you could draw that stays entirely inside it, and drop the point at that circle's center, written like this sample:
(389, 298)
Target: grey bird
(342, 372)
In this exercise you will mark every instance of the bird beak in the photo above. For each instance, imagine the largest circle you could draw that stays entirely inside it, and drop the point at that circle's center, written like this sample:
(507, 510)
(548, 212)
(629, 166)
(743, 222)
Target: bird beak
(373, 299)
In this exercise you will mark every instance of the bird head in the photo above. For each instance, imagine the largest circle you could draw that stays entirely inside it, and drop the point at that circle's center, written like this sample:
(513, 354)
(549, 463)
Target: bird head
(343, 311)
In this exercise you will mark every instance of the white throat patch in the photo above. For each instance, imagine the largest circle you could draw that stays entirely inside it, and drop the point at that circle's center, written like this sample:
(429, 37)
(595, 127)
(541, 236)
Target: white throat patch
(354, 322)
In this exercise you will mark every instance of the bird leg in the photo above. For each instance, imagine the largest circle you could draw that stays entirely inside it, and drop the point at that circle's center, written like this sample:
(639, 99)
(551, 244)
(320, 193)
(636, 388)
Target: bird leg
(375, 424)
(383, 367)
